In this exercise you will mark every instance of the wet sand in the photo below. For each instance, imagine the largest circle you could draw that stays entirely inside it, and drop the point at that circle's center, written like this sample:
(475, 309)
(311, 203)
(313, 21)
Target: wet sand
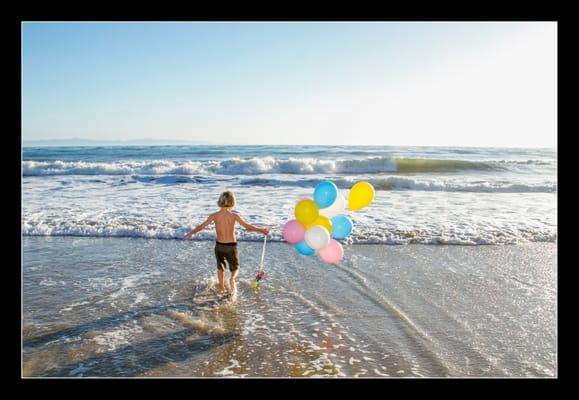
(123, 307)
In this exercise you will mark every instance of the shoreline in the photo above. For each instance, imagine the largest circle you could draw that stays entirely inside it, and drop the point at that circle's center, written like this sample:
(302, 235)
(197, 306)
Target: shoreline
(245, 240)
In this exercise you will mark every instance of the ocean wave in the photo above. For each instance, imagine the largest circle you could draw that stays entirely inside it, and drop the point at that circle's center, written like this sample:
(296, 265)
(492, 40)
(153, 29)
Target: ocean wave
(527, 162)
(387, 183)
(403, 183)
(372, 234)
(172, 179)
(265, 165)
(47, 168)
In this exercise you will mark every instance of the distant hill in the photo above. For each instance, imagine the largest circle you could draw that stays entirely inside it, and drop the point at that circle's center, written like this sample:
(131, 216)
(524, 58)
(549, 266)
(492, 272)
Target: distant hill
(88, 142)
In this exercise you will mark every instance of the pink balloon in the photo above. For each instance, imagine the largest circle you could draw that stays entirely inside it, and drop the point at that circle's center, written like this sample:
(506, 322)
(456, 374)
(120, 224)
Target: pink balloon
(332, 253)
(293, 231)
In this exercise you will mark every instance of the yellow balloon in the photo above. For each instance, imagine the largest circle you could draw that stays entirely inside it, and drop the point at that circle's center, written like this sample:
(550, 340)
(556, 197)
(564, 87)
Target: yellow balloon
(323, 221)
(361, 195)
(306, 211)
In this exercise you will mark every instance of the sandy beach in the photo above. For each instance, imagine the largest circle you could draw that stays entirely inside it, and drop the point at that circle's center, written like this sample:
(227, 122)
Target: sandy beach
(124, 307)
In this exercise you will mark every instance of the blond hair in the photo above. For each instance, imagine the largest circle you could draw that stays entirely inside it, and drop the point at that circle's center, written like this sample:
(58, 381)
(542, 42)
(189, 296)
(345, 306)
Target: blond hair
(227, 199)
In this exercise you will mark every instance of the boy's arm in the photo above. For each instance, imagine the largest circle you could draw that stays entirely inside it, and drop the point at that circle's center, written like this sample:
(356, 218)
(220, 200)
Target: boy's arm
(247, 225)
(199, 228)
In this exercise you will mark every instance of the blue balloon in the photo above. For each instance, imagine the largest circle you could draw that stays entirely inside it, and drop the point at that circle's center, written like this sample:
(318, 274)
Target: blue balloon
(325, 194)
(303, 248)
(341, 226)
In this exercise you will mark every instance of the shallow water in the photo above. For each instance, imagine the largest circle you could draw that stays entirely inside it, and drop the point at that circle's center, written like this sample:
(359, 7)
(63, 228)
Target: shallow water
(144, 307)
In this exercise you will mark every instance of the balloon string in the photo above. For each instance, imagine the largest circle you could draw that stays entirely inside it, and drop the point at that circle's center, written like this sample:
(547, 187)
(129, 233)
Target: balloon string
(262, 253)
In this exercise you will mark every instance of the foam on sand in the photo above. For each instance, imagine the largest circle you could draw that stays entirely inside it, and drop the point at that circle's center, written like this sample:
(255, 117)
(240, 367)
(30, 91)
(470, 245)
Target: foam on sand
(199, 325)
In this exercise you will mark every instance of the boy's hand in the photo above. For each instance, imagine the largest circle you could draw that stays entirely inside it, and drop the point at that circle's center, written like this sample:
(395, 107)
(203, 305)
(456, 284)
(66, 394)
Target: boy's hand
(187, 236)
(265, 231)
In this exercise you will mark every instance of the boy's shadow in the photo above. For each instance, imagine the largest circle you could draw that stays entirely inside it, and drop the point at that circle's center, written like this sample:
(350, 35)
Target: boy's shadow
(136, 358)
(102, 323)
(117, 319)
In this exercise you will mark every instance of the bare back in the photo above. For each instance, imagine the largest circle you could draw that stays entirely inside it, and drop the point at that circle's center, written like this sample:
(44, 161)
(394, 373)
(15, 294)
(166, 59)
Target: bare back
(225, 226)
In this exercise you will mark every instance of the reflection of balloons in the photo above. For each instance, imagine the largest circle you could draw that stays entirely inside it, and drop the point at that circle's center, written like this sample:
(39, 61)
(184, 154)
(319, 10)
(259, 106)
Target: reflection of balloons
(325, 194)
(303, 248)
(317, 237)
(306, 211)
(336, 208)
(332, 253)
(293, 231)
(361, 194)
(341, 226)
(322, 221)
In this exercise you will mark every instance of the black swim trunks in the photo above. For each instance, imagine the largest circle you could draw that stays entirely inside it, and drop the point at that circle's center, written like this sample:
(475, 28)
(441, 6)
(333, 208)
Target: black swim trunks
(227, 252)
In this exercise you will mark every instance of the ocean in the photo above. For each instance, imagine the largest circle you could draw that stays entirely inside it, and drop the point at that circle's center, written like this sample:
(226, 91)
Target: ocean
(426, 195)
(450, 272)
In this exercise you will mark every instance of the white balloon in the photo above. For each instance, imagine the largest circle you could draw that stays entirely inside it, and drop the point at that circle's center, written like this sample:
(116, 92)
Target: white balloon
(317, 237)
(337, 207)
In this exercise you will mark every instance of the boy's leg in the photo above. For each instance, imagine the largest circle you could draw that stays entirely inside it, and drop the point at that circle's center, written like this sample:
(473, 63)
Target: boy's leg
(221, 279)
(232, 279)
(233, 261)
(220, 267)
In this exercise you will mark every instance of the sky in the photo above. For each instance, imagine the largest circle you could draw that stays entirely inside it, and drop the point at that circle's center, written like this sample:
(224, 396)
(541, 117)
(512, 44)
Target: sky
(382, 83)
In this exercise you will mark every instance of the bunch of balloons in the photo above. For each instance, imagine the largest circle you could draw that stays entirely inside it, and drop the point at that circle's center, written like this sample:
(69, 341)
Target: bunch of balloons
(320, 222)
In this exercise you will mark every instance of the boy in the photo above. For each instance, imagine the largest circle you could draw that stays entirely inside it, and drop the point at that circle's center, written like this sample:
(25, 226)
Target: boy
(226, 246)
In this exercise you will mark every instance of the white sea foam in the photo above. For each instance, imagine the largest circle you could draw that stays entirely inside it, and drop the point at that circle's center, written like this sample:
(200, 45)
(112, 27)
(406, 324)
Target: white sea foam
(73, 305)
(51, 282)
(395, 217)
(487, 197)
(265, 165)
(227, 371)
(422, 184)
(123, 335)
